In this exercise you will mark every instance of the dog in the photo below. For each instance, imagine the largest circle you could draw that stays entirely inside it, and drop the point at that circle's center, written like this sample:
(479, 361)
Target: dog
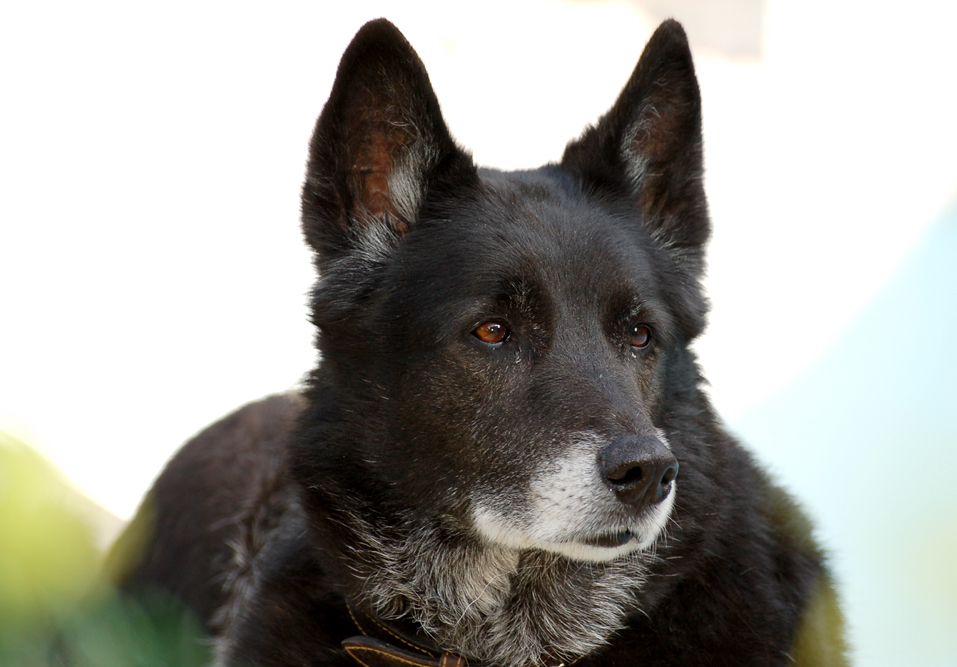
(504, 456)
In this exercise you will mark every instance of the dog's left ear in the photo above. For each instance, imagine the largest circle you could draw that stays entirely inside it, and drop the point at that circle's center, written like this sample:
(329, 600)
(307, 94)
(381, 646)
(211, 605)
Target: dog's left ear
(380, 145)
(649, 147)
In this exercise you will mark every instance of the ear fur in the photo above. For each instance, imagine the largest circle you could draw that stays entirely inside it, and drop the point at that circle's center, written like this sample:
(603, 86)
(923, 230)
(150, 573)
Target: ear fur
(649, 146)
(379, 144)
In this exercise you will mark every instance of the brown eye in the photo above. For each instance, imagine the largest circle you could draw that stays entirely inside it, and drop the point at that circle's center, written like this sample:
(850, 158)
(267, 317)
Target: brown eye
(640, 336)
(492, 333)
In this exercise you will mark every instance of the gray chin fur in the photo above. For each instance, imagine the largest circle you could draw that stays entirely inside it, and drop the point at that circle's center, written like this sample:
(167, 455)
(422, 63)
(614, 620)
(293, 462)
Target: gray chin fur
(569, 511)
(605, 537)
(493, 604)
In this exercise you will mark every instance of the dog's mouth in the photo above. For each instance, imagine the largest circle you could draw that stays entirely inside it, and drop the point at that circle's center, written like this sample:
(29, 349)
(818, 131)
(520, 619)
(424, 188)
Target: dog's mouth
(609, 540)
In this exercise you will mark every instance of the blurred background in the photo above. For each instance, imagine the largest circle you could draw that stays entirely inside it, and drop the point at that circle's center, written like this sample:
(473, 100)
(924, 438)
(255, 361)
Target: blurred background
(152, 275)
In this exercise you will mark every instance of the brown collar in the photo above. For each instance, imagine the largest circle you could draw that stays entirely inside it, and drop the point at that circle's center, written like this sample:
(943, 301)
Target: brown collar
(376, 647)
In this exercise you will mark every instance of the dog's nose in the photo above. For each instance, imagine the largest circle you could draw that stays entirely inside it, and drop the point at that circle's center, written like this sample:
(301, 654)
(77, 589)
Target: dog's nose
(639, 468)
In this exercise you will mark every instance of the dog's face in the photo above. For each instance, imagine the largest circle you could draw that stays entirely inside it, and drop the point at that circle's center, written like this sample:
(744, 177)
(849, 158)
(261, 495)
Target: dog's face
(528, 338)
(515, 332)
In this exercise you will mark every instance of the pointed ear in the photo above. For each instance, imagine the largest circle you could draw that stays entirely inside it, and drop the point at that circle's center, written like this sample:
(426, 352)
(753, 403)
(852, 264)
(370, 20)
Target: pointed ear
(379, 145)
(649, 146)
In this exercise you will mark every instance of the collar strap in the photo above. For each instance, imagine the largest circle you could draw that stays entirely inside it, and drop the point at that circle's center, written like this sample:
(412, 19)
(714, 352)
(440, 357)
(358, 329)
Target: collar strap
(371, 652)
(376, 647)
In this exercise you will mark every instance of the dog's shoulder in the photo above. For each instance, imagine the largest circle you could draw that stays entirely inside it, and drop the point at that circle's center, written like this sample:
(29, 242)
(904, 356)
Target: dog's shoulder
(820, 637)
(291, 613)
(216, 501)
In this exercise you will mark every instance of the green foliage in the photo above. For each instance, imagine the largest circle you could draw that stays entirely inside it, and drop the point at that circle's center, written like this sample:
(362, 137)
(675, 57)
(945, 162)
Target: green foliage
(55, 607)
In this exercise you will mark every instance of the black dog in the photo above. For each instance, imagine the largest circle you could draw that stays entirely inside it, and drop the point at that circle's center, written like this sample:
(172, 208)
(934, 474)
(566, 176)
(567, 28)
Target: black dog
(504, 456)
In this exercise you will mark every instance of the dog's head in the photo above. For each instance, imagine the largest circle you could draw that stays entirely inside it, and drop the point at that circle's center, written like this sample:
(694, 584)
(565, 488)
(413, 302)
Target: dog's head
(501, 350)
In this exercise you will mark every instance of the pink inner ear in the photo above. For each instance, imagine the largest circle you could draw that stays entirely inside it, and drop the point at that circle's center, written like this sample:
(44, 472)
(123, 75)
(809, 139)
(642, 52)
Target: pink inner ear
(658, 139)
(656, 133)
(376, 140)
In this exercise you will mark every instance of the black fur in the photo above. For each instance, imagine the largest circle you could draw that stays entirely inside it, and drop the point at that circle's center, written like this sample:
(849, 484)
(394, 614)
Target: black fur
(416, 442)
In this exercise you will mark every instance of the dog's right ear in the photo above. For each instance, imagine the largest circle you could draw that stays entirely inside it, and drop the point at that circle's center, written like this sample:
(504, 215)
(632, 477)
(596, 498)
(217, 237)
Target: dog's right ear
(649, 146)
(379, 146)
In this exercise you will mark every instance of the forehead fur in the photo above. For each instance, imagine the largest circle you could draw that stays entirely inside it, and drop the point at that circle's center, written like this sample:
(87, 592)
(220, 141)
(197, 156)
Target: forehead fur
(526, 228)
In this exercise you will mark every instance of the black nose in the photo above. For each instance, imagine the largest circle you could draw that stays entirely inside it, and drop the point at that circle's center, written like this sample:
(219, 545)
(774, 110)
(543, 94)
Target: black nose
(639, 468)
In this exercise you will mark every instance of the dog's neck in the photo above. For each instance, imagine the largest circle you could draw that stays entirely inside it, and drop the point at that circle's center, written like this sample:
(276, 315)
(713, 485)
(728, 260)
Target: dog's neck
(491, 604)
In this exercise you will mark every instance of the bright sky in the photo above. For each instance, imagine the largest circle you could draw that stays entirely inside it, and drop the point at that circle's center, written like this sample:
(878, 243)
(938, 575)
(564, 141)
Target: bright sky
(152, 277)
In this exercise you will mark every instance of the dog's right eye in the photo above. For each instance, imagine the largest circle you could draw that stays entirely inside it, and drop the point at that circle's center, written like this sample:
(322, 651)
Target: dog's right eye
(492, 333)
(640, 336)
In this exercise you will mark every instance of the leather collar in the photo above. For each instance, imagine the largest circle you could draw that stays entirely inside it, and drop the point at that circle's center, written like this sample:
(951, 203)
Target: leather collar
(395, 645)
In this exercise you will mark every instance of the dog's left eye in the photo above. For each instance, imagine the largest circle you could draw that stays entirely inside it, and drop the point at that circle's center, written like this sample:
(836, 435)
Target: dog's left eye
(640, 336)
(492, 333)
